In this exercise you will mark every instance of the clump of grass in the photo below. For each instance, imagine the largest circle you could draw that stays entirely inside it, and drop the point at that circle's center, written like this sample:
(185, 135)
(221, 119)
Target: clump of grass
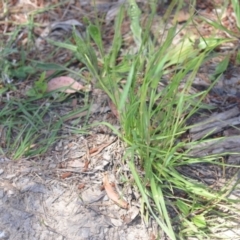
(25, 132)
(27, 123)
(31, 125)
(152, 122)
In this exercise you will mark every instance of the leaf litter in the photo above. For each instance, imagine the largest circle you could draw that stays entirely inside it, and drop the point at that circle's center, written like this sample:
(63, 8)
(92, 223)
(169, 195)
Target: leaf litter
(64, 84)
(113, 194)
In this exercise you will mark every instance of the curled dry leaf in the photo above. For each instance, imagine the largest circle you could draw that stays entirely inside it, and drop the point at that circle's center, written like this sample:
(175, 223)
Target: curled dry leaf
(86, 164)
(66, 175)
(74, 103)
(113, 108)
(64, 84)
(182, 16)
(81, 186)
(112, 193)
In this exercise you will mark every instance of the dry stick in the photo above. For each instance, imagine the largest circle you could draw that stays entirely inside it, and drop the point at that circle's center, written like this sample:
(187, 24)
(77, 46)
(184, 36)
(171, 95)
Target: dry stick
(215, 123)
(215, 146)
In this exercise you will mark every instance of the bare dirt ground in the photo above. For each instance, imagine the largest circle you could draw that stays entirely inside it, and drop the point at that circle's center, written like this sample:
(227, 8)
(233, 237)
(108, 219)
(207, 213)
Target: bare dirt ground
(59, 195)
(37, 203)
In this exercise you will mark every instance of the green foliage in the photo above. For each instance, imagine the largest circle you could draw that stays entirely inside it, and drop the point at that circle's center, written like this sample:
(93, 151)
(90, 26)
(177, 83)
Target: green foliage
(236, 8)
(22, 72)
(11, 70)
(221, 67)
(153, 119)
(199, 221)
(238, 57)
(39, 87)
(26, 132)
(95, 34)
(134, 13)
(29, 127)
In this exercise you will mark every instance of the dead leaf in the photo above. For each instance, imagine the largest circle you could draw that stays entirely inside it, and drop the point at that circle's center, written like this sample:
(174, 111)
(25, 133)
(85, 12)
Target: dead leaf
(86, 164)
(74, 103)
(64, 84)
(182, 16)
(131, 215)
(81, 186)
(49, 73)
(62, 165)
(152, 236)
(113, 108)
(98, 149)
(112, 193)
(66, 175)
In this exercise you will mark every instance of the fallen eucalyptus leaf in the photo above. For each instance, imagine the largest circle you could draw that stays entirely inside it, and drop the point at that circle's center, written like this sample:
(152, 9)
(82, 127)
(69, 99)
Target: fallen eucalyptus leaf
(64, 84)
(112, 193)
